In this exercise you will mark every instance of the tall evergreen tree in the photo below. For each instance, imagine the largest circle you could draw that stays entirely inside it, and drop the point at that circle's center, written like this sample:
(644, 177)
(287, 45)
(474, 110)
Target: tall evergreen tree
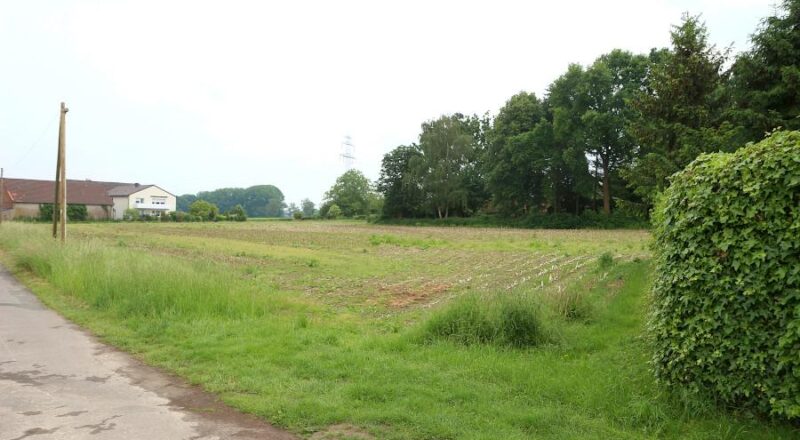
(681, 109)
(765, 81)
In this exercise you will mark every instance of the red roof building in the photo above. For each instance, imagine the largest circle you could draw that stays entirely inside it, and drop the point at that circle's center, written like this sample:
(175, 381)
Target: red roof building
(21, 197)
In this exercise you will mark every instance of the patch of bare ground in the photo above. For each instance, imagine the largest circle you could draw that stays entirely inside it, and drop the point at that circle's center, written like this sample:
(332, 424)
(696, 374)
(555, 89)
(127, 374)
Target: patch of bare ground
(403, 297)
(342, 431)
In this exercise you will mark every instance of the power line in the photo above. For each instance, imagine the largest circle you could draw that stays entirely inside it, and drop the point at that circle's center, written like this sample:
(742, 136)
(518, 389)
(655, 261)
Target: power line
(36, 142)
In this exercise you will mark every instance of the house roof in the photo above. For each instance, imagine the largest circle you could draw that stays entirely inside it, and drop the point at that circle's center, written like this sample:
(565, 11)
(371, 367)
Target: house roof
(126, 189)
(85, 192)
(5, 200)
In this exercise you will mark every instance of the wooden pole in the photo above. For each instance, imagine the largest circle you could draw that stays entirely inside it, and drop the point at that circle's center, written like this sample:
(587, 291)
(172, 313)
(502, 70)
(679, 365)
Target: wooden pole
(57, 194)
(62, 134)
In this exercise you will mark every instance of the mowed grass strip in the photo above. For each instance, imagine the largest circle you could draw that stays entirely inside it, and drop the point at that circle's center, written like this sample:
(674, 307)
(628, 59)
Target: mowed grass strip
(307, 365)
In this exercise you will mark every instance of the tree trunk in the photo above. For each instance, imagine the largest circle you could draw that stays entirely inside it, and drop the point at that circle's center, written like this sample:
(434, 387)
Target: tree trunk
(606, 188)
(594, 188)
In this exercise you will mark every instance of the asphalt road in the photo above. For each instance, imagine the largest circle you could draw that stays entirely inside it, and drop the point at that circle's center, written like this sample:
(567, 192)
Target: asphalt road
(58, 382)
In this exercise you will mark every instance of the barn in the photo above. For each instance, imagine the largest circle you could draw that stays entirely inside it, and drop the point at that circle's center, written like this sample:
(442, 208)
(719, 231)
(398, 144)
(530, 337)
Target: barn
(21, 198)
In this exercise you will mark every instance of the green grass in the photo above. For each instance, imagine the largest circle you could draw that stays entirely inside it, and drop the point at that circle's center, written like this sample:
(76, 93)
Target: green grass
(512, 320)
(310, 324)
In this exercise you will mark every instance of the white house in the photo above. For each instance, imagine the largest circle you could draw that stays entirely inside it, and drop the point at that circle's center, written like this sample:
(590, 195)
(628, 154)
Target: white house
(147, 199)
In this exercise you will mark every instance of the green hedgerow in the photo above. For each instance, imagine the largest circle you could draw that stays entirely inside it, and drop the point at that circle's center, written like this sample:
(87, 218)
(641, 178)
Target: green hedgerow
(726, 294)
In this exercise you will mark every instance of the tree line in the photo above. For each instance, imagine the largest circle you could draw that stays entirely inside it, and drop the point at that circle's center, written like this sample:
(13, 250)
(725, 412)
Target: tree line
(604, 137)
(257, 201)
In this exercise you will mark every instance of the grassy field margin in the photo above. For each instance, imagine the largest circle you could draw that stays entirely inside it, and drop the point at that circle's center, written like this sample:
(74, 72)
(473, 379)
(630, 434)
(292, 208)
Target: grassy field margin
(306, 366)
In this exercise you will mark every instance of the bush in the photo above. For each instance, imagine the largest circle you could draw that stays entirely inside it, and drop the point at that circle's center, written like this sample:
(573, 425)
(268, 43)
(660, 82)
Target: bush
(334, 211)
(605, 261)
(506, 320)
(175, 216)
(237, 213)
(131, 214)
(75, 212)
(204, 210)
(726, 295)
(297, 215)
(46, 212)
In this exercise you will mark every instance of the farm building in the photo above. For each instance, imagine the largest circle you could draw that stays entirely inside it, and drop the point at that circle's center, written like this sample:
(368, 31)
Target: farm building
(21, 198)
(147, 199)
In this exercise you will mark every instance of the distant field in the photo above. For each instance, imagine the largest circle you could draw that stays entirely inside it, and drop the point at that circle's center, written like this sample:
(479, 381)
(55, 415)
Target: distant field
(324, 326)
(379, 268)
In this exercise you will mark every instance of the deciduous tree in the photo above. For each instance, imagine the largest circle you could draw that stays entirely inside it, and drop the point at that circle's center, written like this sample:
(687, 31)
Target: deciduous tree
(515, 159)
(607, 87)
(350, 193)
(308, 208)
(446, 150)
(402, 192)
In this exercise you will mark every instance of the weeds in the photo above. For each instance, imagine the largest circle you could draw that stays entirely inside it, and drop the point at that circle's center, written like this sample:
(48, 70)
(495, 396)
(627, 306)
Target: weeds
(605, 261)
(387, 239)
(571, 303)
(505, 320)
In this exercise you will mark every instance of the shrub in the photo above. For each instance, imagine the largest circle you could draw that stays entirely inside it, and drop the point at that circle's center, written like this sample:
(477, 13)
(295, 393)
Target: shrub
(726, 295)
(46, 212)
(75, 212)
(297, 215)
(605, 261)
(237, 213)
(506, 320)
(176, 216)
(131, 214)
(204, 210)
(334, 211)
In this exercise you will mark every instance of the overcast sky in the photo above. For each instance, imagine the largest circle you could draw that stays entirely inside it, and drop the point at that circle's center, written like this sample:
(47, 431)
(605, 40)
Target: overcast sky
(200, 95)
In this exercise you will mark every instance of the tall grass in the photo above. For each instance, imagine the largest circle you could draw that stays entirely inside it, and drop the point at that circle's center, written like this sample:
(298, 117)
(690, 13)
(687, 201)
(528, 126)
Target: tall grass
(133, 283)
(513, 320)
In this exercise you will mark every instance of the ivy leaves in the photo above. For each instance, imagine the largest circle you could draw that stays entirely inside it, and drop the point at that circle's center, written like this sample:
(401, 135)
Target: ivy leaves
(726, 301)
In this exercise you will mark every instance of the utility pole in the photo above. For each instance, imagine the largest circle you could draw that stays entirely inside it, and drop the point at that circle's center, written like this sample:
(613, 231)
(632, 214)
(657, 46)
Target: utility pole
(60, 202)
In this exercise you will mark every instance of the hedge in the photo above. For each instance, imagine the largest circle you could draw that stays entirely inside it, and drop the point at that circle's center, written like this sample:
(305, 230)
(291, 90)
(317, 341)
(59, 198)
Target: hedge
(75, 212)
(726, 294)
(587, 220)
